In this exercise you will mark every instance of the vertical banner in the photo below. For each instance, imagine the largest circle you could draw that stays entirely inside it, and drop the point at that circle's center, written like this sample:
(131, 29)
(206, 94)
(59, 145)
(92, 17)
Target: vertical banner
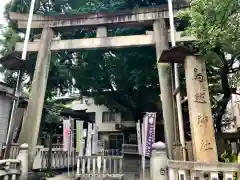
(89, 140)
(72, 145)
(95, 139)
(139, 139)
(150, 136)
(71, 148)
(143, 145)
(79, 137)
(236, 107)
(66, 135)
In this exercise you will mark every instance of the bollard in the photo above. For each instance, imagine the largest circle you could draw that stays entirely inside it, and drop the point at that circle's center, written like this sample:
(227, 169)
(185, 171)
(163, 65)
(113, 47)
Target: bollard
(158, 162)
(23, 157)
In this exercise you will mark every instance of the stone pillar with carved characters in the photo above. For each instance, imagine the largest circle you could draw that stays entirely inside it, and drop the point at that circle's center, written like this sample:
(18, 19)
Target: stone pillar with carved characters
(200, 114)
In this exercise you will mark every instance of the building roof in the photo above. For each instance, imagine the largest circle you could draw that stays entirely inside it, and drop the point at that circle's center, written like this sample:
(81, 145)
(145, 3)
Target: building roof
(80, 115)
(12, 61)
(5, 84)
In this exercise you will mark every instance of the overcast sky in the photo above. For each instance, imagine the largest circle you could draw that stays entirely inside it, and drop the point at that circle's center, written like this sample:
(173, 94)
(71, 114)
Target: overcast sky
(3, 3)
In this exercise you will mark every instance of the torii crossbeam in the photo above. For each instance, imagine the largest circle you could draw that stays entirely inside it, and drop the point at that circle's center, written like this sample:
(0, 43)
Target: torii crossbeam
(101, 22)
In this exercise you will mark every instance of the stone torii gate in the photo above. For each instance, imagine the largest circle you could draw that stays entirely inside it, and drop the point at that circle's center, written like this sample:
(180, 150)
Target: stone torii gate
(101, 22)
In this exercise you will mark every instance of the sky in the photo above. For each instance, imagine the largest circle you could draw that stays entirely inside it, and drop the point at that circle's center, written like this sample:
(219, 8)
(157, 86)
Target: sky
(3, 3)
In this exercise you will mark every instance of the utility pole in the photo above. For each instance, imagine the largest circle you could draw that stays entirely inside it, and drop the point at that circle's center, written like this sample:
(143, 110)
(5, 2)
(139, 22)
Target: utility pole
(177, 84)
(18, 85)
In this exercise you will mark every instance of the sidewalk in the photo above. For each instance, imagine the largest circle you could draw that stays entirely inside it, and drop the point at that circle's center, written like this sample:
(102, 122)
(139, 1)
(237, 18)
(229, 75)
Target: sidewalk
(63, 176)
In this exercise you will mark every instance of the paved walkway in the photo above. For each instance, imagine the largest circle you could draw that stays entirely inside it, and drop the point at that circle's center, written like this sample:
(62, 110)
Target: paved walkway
(127, 176)
(63, 176)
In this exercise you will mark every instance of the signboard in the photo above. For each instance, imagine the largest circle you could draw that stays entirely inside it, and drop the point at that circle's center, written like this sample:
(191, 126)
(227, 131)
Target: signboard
(101, 146)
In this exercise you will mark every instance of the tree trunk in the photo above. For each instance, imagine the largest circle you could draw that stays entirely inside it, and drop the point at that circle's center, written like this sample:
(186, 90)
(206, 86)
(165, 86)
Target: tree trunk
(226, 97)
(49, 160)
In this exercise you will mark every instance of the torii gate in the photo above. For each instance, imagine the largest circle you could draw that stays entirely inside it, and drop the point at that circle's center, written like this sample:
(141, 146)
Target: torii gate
(101, 22)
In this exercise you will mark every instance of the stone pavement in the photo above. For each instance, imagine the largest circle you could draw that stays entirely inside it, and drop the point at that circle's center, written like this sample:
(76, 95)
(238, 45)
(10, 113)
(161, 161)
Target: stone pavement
(127, 176)
(132, 171)
(63, 176)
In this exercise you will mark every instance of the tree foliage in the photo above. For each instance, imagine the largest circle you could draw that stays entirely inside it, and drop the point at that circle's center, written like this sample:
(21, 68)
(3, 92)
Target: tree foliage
(126, 79)
(215, 24)
(123, 80)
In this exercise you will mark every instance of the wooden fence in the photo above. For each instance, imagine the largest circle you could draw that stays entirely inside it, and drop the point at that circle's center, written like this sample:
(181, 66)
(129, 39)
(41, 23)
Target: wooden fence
(100, 166)
(15, 169)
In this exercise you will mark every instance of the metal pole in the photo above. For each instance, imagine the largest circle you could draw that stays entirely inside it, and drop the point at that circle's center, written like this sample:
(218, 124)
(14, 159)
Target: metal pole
(177, 84)
(19, 78)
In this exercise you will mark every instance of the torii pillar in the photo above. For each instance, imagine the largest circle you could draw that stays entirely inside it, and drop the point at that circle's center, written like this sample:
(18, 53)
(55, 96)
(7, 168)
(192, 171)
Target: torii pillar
(31, 123)
(200, 114)
(165, 79)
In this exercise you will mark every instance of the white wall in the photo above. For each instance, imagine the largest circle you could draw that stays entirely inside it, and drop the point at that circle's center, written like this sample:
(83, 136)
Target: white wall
(5, 105)
(236, 107)
(5, 108)
(88, 104)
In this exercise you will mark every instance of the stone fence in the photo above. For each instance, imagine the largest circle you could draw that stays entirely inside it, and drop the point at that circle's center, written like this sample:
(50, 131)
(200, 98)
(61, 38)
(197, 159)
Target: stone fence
(165, 169)
(100, 166)
(15, 169)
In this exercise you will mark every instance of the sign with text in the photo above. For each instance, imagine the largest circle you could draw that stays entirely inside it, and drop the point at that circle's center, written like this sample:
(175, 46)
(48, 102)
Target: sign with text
(203, 134)
(150, 136)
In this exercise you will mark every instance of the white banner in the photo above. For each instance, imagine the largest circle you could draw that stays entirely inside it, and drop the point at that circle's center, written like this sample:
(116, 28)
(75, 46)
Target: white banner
(66, 135)
(79, 137)
(143, 145)
(71, 148)
(89, 140)
(139, 139)
(95, 139)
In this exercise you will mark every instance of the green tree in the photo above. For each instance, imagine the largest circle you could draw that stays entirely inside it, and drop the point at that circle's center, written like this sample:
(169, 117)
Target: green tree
(51, 120)
(130, 86)
(215, 24)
